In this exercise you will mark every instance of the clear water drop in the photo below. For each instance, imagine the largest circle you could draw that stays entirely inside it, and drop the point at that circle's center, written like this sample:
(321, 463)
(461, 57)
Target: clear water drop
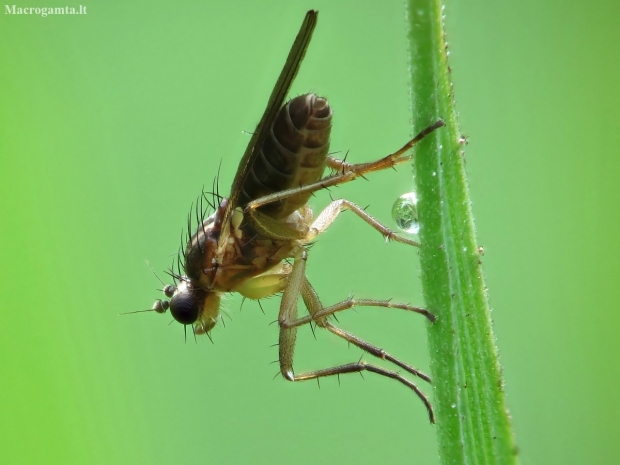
(405, 213)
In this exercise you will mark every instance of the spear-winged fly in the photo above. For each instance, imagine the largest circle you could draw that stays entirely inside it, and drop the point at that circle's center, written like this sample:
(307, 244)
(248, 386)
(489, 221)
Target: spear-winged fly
(255, 243)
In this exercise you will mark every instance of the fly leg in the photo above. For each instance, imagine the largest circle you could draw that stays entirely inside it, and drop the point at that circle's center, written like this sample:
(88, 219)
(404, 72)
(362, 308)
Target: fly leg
(388, 161)
(274, 229)
(351, 302)
(346, 172)
(288, 312)
(288, 321)
(324, 221)
(319, 316)
(358, 367)
(331, 212)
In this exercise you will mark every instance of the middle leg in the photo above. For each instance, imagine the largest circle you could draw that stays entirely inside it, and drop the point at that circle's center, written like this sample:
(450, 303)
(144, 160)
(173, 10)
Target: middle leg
(299, 284)
(319, 316)
(329, 214)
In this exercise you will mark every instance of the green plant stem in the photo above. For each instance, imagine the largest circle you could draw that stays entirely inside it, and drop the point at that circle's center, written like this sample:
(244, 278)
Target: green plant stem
(473, 425)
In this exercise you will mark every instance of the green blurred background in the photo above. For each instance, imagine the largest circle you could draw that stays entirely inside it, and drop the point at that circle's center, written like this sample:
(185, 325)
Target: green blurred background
(110, 124)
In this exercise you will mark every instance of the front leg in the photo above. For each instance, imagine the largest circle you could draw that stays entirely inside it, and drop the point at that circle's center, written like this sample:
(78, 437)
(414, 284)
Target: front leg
(288, 312)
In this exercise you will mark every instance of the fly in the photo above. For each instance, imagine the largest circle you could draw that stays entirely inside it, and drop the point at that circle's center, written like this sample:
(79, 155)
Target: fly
(256, 241)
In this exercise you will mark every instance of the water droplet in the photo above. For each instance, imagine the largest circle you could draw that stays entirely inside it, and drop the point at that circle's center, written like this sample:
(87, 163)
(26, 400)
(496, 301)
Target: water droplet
(434, 173)
(453, 405)
(405, 213)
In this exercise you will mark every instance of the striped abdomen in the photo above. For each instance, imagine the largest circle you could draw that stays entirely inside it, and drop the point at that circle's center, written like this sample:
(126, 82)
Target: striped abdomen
(293, 154)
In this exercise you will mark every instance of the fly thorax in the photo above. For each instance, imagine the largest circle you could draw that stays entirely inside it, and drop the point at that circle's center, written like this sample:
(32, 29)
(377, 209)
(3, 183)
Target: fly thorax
(201, 253)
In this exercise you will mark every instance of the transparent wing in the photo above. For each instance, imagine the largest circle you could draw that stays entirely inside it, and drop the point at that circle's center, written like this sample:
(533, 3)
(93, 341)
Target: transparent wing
(276, 100)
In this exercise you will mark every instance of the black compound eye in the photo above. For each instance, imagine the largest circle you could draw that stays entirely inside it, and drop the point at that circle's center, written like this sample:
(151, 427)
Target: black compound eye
(184, 308)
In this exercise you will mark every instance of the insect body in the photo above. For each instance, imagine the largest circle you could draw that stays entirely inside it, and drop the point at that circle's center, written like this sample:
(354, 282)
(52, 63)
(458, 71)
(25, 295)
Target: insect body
(245, 244)
(245, 260)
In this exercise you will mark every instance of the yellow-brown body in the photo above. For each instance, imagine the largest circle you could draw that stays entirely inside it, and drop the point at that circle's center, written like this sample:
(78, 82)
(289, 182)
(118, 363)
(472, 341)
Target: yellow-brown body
(293, 154)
